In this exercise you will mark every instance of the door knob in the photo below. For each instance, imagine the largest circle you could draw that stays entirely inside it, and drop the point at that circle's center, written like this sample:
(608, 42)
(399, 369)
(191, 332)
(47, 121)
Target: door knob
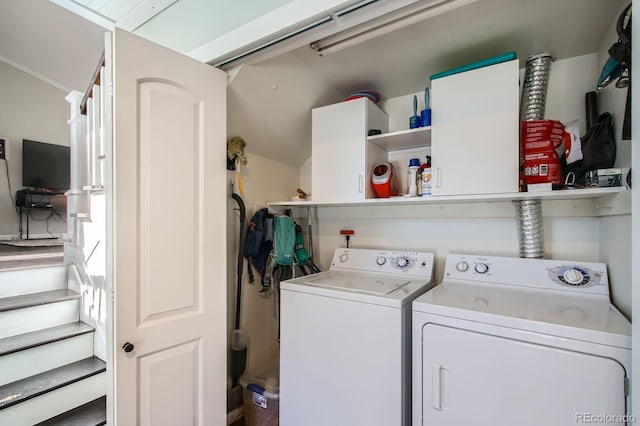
(128, 347)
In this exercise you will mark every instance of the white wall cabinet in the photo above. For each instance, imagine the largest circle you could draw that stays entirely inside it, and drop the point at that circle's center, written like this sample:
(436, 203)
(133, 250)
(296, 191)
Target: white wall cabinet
(473, 142)
(475, 136)
(341, 158)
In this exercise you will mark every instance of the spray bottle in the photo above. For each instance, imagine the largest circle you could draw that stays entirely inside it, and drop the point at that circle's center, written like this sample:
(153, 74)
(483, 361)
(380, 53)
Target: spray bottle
(426, 177)
(419, 180)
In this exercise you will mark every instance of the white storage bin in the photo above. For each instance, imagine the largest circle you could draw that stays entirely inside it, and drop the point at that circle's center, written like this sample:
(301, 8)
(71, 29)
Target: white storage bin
(261, 396)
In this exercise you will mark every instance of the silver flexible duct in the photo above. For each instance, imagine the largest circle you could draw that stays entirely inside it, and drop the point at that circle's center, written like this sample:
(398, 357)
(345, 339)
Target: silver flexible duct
(534, 88)
(532, 106)
(530, 228)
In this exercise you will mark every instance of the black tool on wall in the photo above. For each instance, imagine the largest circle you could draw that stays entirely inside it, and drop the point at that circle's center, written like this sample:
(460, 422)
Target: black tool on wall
(238, 356)
(618, 66)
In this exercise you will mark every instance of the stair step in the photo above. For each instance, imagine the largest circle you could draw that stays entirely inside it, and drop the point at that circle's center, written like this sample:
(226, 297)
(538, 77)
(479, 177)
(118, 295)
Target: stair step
(19, 280)
(41, 337)
(32, 353)
(36, 299)
(31, 387)
(26, 320)
(21, 262)
(93, 413)
(52, 403)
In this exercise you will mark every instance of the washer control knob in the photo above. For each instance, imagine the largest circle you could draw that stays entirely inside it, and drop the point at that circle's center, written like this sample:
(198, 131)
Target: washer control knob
(403, 262)
(381, 260)
(573, 276)
(482, 268)
(462, 266)
(344, 257)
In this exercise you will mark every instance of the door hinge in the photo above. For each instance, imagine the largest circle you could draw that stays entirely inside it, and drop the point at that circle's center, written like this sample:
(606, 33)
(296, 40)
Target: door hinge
(626, 386)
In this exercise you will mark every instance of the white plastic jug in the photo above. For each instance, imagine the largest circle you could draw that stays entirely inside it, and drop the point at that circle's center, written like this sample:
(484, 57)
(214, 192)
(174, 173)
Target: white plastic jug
(414, 165)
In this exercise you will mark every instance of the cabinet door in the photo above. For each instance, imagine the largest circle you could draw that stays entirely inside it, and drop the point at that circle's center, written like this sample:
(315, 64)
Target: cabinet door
(471, 378)
(338, 163)
(475, 131)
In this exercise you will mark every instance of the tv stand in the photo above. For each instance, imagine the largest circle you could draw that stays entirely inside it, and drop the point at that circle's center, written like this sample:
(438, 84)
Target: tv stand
(33, 199)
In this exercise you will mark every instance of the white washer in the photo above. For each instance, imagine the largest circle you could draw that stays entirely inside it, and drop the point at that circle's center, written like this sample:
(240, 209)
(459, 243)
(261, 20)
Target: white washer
(345, 345)
(506, 341)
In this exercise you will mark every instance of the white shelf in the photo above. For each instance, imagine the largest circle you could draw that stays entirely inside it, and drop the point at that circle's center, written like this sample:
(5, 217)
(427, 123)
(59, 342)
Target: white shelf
(567, 194)
(404, 139)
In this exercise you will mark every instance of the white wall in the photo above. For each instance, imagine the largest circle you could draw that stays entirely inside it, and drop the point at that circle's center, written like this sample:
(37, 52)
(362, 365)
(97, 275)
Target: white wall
(437, 229)
(29, 109)
(264, 180)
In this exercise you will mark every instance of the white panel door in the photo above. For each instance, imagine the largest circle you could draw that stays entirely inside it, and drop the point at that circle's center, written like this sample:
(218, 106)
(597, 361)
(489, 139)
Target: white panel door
(169, 233)
(472, 378)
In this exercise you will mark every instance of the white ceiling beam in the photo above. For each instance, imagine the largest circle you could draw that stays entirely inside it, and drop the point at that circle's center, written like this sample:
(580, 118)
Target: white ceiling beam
(286, 19)
(265, 26)
(386, 24)
(143, 12)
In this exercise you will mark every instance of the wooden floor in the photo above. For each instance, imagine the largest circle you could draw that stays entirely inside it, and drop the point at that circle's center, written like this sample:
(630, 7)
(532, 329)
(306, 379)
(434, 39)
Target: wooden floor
(21, 257)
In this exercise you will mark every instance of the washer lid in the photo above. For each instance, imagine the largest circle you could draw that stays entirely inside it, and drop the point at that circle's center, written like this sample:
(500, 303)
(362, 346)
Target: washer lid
(391, 290)
(576, 316)
(361, 283)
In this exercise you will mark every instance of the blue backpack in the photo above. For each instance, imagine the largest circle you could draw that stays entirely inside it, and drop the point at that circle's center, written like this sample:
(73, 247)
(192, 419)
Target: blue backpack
(259, 241)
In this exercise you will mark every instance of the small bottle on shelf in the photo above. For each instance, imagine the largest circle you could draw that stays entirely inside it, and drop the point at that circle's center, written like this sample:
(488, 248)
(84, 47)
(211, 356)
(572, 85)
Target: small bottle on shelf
(414, 165)
(426, 177)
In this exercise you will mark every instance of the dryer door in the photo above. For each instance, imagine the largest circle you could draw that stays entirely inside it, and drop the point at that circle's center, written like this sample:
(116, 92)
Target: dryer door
(472, 378)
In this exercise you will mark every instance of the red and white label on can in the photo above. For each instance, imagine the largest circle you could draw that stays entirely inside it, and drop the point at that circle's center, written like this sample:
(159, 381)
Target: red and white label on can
(539, 140)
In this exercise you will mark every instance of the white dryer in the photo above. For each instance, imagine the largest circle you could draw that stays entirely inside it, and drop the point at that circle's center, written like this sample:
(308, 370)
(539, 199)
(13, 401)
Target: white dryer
(345, 345)
(528, 342)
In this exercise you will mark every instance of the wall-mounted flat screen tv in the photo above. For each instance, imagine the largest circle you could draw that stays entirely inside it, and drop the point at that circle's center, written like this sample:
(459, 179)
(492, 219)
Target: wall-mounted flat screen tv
(45, 166)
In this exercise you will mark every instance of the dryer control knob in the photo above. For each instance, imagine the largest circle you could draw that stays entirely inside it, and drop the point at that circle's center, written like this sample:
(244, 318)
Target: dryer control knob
(344, 257)
(482, 268)
(381, 260)
(462, 266)
(573, 276)
(402, 262)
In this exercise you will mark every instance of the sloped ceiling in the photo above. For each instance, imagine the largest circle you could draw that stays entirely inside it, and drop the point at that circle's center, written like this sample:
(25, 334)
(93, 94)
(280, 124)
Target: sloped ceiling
(269, 106)
(50, 43)
(401, 62)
